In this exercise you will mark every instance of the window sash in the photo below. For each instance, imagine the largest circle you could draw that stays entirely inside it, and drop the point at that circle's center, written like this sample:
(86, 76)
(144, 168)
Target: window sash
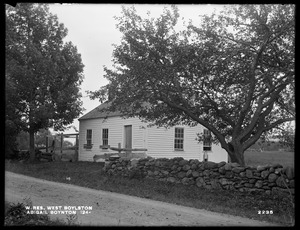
(89, 134)
(179, 139)
(105, 136)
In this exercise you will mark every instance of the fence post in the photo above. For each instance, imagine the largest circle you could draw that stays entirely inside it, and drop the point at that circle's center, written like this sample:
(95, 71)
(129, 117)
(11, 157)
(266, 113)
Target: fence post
(47, 140)
(119, 147)
(61, 143)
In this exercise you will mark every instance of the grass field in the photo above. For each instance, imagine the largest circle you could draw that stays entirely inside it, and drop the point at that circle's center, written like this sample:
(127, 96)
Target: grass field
(269, 157)
(90, 174)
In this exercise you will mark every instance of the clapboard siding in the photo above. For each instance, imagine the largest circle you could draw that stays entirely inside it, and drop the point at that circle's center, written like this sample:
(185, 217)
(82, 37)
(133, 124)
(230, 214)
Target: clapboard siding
(161, 141)
(115, 126)
(158, 141)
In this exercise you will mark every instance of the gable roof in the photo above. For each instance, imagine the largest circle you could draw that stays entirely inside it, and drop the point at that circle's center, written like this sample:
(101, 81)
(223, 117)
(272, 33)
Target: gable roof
(97, 113)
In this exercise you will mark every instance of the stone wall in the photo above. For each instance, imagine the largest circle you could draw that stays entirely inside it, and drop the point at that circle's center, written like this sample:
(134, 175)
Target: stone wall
(209, 175)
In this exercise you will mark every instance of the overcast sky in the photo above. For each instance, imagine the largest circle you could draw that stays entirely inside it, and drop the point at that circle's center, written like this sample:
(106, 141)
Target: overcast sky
(92, 29)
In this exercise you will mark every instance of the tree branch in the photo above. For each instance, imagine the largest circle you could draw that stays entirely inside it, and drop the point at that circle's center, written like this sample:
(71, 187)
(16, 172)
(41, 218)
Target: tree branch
(278, 122)
(199, 120)
(250, 92)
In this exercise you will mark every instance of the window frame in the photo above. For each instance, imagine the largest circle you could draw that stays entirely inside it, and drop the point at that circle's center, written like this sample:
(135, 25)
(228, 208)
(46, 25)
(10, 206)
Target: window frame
(105, 133)
(89, 139)
(207, 144)
(179, 139)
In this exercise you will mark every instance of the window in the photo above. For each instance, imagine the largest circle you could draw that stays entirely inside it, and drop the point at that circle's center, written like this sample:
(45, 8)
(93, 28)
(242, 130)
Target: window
(207, 140)
(88, 144)
(104, 137)
(178, 142)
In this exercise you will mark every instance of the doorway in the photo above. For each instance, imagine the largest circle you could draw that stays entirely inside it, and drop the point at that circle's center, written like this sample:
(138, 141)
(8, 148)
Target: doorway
(128, 136)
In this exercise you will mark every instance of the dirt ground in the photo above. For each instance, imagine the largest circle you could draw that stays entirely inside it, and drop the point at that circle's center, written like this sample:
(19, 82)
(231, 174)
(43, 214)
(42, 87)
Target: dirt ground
(113, 209)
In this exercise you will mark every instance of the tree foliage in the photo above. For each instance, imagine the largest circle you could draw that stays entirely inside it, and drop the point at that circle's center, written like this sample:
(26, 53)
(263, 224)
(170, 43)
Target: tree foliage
(286, 135)
(43, 74)
(233, 73)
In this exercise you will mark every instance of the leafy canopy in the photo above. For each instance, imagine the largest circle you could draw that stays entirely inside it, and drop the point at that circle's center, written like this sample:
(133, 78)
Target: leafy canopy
(43, 74)
(233, 73)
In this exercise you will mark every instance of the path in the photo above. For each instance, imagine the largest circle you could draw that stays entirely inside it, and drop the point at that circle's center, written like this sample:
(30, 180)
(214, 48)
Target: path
(111, 209)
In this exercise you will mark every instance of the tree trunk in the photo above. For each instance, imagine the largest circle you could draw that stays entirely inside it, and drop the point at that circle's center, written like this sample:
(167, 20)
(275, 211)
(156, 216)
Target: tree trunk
(31, 145)
(236, 153)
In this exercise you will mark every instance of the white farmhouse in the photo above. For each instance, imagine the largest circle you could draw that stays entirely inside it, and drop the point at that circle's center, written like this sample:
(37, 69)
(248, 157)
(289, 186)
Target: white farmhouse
(100, 131)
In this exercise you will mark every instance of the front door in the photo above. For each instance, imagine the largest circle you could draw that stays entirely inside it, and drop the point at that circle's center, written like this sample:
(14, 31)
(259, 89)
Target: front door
(128, 136)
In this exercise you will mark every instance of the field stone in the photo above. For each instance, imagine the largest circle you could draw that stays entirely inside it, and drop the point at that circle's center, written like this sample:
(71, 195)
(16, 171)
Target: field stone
(134, 162)
(228, 174)
(272, 177)
(189, 173)
(266, 187)
(278, 170)
(200, 182)
(272, 184)
(181, 175)
(242, 174)
(185, 180)
(222, 170)
(238, 186)
(194, 166)
(215, 174)
(271, 170)
(173, 167)
(157, 164)
(171, 179)
(281, 182)
(248, 185)
(256, 175)
(234, 164)
(258, 184)
(268, 192)
(165, 173)
(207, 186)
(238, 169)
(215, 184)
(249, 173)
(265, 174)
(196, 161)
(289, 172)
(186, 167)
(201, 166)
(210, 165)
(222, 163)
(195, 174)
(262, 168)
(227, 167)
(252, 181)
(224, 181)
(183, 162)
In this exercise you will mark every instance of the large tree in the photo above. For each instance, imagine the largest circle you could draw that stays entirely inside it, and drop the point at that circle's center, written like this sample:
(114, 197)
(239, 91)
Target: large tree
(233, 73)
(43, 73)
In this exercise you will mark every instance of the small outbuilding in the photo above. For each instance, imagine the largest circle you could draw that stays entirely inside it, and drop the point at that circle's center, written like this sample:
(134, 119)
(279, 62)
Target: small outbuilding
(107, 132)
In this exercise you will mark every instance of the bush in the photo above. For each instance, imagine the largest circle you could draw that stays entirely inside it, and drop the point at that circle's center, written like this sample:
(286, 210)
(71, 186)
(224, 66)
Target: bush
(16, 214)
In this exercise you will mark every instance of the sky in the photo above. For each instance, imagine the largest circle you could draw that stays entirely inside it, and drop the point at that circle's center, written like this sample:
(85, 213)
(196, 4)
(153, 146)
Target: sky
(92, 29)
